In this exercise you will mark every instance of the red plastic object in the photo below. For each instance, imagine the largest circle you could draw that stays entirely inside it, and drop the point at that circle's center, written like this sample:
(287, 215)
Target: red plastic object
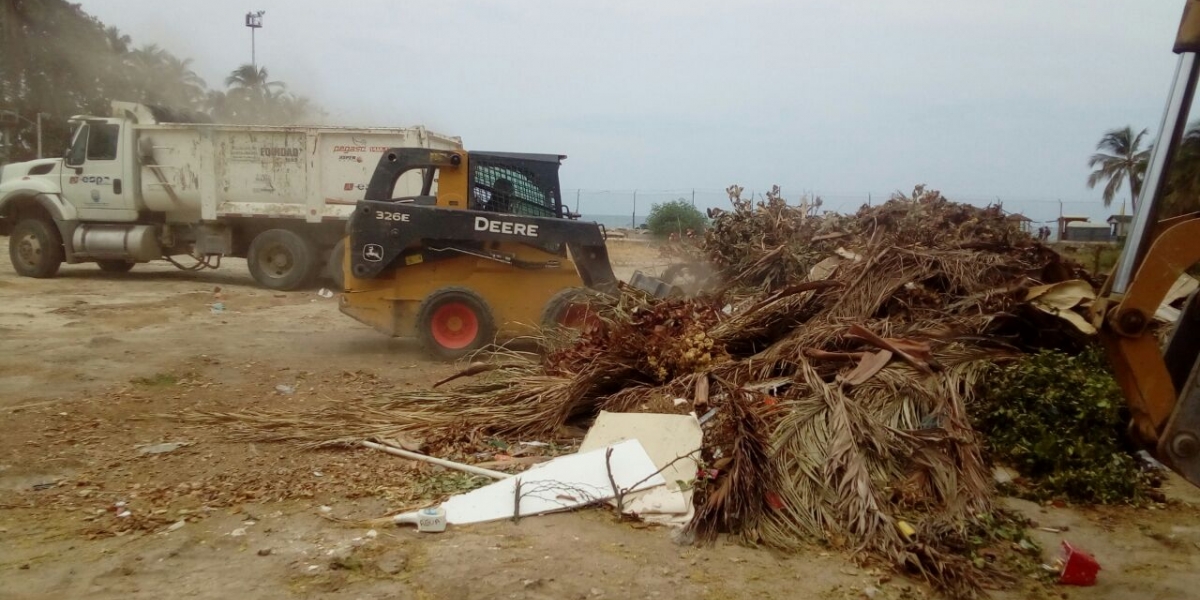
(1079, 567)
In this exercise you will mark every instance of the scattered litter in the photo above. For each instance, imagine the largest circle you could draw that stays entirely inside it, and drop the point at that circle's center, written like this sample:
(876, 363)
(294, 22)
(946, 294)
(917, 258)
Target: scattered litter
(326, 509)
(218, 308)
(708, 415)
(1078, 567)
(162, 448)
(325, 293)
(1003, 475)
(285, 389)
(123, 514)
(585, 477)
(535, 444)
(372, 534)
(239, 532)
(673, 442)
(431, 520)
(177, 525)
(437, 461)
(680, 401)
(318, 474)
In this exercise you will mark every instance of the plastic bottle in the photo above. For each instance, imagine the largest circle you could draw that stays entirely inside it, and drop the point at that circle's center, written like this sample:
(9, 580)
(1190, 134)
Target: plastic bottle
(430, 520)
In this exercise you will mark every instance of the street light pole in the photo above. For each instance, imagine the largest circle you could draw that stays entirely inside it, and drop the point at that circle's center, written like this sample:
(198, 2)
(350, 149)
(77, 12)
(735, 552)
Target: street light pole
(8, 114)
(254, 22)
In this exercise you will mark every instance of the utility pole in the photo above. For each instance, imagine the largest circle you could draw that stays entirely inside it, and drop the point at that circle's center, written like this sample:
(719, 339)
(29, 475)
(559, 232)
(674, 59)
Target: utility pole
(693, 197)
(633, 221)
(577, 200)
(11, 118)
(254, 22)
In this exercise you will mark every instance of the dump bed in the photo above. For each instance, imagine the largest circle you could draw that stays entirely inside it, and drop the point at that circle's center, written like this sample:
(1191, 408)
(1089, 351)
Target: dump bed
(198, 171)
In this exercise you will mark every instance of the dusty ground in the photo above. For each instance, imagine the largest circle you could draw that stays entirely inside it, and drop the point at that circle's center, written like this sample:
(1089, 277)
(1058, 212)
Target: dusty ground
(96, 365)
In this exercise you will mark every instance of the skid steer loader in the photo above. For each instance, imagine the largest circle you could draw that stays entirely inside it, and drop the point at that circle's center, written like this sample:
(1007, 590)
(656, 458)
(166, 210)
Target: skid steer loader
(486, 251)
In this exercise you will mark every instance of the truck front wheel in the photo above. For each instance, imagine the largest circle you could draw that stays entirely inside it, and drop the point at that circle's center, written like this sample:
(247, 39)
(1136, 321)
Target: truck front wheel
(35, 248)
(282, 260)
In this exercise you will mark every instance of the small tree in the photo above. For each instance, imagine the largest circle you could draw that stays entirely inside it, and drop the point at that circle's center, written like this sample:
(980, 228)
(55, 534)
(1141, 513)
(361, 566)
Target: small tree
(677, 216)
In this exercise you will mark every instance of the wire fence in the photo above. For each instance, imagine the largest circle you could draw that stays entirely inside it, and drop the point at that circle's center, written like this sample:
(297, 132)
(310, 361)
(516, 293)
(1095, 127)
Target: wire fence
(629, 208)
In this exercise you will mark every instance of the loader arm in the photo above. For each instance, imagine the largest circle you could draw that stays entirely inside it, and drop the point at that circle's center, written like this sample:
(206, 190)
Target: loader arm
(1160, 387)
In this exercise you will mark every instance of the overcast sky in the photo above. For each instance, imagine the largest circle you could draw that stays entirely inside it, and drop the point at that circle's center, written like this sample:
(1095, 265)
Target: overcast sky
(844, 98)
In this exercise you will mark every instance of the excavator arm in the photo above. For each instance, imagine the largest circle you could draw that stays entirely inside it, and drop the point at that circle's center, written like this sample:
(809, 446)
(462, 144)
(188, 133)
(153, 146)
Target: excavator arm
(1160, 386)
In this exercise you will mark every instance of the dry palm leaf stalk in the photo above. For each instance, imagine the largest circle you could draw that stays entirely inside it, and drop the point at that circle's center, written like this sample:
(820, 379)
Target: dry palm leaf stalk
(838, 357)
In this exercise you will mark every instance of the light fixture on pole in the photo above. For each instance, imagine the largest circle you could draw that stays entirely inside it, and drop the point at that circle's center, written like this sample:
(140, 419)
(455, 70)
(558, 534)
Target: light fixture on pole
(254, 22)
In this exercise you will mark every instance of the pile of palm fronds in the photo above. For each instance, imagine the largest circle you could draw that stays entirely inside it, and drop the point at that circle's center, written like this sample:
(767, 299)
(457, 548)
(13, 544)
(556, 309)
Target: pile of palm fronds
(836, 363)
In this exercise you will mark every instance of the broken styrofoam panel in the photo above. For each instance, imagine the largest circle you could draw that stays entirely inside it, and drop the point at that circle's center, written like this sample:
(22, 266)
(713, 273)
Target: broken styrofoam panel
(665, 438)
(564, 483)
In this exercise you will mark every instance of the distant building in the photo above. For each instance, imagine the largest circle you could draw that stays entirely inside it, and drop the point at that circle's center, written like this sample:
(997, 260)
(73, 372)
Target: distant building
(1021, 220)
(1083, 231)
(1119, 226)
(1063, 221)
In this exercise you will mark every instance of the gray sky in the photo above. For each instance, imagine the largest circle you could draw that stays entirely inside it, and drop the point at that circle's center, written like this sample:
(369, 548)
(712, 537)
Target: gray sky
(840, 97)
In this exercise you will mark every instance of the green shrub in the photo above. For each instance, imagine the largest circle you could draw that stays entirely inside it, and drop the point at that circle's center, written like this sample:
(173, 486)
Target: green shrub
(1060, 421)
(676, 216)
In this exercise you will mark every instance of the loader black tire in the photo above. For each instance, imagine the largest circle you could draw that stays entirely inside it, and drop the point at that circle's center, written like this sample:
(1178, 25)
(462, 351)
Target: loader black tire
(35, 248)
(115, 266)
(453, 322)
(569, 308)
(282, 260)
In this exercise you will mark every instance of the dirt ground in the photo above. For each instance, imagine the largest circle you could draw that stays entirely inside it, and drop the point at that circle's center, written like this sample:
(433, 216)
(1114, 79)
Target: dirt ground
(97, 366)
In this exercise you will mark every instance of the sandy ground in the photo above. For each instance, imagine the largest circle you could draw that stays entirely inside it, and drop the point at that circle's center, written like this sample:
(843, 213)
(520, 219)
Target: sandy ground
(95, 366)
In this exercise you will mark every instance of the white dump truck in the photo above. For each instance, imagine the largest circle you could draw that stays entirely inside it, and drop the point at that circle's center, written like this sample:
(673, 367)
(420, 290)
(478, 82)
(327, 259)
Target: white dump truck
(134, 188)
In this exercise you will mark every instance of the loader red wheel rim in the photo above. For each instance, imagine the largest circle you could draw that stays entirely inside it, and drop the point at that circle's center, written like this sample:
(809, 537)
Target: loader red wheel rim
(454, 325)
(578, 317)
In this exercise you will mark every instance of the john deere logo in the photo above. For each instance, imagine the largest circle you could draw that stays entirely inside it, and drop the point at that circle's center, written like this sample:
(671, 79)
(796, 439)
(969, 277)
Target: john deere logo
(373, 252)
(95, 195)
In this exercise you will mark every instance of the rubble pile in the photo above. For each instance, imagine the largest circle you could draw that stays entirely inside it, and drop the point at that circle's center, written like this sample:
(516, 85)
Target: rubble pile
(832, 364)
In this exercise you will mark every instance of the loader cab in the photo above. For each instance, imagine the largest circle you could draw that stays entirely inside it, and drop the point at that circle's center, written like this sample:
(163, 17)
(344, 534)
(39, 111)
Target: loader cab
(502, 182)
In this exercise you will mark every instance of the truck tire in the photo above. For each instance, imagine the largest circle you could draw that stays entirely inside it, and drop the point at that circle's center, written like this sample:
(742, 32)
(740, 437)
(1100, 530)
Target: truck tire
(115, 266)
(333, 268)
(35, 248)
(282, 260)
(570, 308)
(454, 322)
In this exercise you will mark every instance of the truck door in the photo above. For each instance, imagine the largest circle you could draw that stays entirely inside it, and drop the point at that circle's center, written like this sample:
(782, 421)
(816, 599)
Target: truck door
(93, 170)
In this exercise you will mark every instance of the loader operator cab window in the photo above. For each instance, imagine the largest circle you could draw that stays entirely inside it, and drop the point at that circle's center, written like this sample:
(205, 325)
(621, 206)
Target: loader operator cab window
(508, 190)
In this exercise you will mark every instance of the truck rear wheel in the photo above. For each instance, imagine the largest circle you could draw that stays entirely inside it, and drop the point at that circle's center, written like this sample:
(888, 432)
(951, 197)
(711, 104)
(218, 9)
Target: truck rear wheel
(282, 260)
(35, 248)
(333, 269)
(115, 266)
(454, 322)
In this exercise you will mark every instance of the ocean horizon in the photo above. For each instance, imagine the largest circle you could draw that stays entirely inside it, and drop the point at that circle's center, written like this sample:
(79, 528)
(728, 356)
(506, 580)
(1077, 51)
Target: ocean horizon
(614, 221)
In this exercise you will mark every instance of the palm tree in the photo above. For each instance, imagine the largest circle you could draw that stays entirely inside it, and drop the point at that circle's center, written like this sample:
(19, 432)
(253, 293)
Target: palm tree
(246, 77)
(1119, 159)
